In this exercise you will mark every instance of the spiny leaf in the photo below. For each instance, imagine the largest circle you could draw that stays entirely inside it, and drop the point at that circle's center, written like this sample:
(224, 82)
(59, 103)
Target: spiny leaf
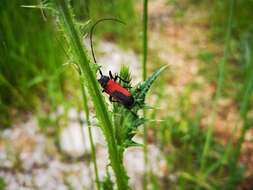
(83, 27)
(133, 129)
(141, 91)
(44, 5)
(132, 144)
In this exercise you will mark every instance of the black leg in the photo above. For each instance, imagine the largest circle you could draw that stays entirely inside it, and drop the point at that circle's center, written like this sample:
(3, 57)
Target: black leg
(103, 91)
(125, 81)
(115, 78)
(111, 76)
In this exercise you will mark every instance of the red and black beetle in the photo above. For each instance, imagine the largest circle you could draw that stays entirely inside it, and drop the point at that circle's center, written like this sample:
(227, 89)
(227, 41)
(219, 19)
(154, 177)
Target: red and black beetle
(109, 83)
(116, 91)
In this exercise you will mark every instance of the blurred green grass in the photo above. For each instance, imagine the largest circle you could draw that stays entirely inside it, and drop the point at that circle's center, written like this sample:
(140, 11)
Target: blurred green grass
(31, 59)
(32, 54)
(31, 72)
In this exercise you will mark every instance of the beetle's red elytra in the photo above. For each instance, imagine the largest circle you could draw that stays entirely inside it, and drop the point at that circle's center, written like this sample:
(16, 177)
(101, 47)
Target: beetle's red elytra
(113, 86)
(116, 91)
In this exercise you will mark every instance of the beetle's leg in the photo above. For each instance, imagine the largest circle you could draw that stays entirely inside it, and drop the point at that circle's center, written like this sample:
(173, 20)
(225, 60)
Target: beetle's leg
(111, 100)
(115, 78)
(111, 76)
(125, 81)
(103, 90)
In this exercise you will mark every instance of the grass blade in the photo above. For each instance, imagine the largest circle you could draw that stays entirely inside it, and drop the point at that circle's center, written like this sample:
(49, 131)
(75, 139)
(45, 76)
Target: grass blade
(144, 76)
(218, 94)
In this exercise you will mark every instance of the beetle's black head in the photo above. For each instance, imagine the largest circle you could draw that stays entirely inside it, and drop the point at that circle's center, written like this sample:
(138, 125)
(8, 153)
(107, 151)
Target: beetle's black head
(103, 80)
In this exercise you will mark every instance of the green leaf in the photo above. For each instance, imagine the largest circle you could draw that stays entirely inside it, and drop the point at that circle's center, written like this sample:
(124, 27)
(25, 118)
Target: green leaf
(141, 91)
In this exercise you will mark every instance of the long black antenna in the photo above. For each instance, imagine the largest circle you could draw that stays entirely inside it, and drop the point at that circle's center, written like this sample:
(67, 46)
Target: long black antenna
(91, 34)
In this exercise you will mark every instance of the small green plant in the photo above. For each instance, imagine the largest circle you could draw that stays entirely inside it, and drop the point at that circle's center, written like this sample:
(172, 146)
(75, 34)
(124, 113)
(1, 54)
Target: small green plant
(127, 121)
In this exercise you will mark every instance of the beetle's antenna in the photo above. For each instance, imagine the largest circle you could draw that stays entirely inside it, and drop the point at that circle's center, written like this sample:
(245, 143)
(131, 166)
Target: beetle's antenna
(91, 34)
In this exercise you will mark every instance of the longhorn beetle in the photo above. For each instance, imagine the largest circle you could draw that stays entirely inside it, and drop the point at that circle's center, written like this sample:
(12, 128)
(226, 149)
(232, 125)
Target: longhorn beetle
(116, 92)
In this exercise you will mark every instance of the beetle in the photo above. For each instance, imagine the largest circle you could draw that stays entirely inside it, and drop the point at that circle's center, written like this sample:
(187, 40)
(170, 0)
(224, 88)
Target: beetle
(116, 92)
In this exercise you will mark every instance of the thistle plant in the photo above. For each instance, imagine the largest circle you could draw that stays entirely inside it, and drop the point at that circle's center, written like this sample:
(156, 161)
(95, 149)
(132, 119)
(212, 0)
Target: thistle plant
(119, 126)
(127, 121)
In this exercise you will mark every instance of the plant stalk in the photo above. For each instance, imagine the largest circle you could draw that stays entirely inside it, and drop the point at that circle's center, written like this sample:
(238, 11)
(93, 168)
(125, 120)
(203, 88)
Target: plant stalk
(144, 76)
(94, 90)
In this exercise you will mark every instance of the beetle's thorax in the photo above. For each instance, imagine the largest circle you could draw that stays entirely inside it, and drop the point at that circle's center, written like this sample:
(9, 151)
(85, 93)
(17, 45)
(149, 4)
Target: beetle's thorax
(103, 80)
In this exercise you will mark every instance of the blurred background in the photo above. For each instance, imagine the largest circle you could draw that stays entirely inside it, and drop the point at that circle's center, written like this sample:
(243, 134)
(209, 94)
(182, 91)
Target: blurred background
(205, 92)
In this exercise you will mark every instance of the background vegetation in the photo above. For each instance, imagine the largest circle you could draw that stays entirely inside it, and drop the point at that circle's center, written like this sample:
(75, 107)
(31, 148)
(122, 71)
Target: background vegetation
(35, 79)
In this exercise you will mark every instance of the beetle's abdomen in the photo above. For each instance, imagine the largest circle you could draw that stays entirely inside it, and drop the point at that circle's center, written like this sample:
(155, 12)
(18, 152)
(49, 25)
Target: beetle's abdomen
(127, 101)
(119, 93)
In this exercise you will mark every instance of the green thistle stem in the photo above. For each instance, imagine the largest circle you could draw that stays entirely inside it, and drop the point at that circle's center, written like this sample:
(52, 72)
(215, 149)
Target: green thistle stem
(94, 90)
(144, 76)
